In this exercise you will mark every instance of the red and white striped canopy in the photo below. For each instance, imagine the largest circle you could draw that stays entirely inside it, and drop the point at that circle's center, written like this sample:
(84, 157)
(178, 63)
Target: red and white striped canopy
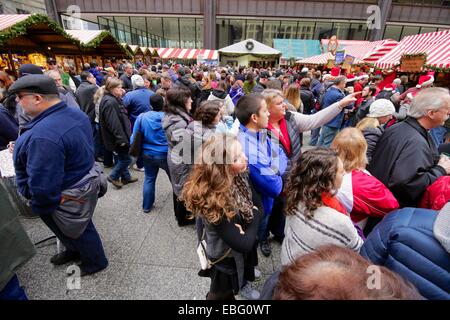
(364, 51)
(8, 20)
(187, 54)
(435, 44)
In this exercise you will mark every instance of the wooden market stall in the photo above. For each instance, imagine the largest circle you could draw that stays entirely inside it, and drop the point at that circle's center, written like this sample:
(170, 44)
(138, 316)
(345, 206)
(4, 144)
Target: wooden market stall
(31, 39)
(150, 55)
(99, 45)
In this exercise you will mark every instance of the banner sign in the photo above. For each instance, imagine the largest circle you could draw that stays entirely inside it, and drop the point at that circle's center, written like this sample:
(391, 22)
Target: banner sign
(413, 63)
(340, 55)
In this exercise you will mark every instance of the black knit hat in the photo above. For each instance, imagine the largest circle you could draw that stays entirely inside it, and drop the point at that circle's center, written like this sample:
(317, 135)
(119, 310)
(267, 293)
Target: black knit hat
(34, 83)
(157, 102)
(29, 68)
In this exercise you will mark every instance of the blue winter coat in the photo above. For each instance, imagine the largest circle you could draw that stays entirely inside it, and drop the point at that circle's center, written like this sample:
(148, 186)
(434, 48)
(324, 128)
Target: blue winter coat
(154, 142)
(54, 151)
(9, 128)
(332, 96)
(97, 75)
(267, 163)
(404, 242)
(137, 102)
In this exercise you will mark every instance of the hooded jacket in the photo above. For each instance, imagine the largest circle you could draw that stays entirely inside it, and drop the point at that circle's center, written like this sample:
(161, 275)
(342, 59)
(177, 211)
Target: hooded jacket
(85, 97)
(223, 97)
(415, 243)
(154, 142)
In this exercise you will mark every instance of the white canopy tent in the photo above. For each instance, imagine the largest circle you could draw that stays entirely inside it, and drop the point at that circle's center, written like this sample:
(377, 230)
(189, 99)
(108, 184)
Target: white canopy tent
(249, 52)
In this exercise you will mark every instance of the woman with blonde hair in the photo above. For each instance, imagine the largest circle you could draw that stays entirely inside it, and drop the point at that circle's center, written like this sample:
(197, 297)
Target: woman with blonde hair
(293, 97)
(362, 194)
(219, 194)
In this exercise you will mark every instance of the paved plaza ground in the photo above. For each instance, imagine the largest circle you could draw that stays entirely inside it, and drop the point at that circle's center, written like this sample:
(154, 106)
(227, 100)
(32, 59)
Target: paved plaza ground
(150, 257)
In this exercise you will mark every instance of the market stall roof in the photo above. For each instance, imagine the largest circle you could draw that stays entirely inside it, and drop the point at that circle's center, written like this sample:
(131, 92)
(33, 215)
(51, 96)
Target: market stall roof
(151, 51)
(187, 54)
(297, 49)
(243, 47)
(363, 52)
(435, 44)
(134, 49)
(99, 42)
(35, 32)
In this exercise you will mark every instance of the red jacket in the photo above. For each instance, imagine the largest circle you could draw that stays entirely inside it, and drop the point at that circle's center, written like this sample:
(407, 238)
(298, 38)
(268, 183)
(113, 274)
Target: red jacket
(363, 195)
(437, 195)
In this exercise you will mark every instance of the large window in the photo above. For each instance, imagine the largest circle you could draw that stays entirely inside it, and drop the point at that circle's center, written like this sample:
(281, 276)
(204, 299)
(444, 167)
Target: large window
(288, 30)
(187, 27)
(155, 31)
(222, 33)
(237, 31)
(341, 30)
(271, 31)
(124, 31)
(171, 32)
(410, 30)
(324, 30)
(138, 27)
(357, 31)
(393, 32)
(254, 30)
(199, 26)
(305, 30)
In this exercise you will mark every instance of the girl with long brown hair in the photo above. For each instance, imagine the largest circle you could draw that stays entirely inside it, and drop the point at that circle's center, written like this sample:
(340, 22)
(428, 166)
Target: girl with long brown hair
(219, 194)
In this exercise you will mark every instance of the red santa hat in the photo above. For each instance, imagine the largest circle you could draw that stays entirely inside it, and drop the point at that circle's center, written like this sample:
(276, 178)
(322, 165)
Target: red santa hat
(335, 72)
(351, 77)
(389, 87)
(425, 80)
(362, 76)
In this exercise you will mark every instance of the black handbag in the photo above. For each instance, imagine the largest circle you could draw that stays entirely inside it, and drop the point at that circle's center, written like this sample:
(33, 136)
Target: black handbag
(135, 148)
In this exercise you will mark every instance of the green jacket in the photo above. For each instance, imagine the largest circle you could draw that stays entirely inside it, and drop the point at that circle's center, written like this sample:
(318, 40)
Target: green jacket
(16, 247)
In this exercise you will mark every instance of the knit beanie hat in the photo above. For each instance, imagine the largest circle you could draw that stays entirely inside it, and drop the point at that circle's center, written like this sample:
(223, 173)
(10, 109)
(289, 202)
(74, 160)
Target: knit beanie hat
(381, 108)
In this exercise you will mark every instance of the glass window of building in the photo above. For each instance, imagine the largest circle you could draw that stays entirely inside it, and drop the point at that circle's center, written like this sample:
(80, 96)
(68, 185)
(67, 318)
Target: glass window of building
(324, 30)
(223, 33)
(171, 32)
(427, 29)
(254, 30)
(271, 30)
(199, 26)
(138, 26)
(123, 25)
(237, 31)
(410, 30)
(288, 30)
(357, 31)
(392, 32)
(305, 30)
(187, 34)
(341, 30)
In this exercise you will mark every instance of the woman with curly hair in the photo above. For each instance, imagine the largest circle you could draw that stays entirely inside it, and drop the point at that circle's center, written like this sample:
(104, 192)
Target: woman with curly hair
(314, 215)
(219, 193)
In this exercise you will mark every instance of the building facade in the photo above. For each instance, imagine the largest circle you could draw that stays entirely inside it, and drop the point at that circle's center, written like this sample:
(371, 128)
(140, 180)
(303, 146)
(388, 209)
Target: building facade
(215, 24)
(22, 6)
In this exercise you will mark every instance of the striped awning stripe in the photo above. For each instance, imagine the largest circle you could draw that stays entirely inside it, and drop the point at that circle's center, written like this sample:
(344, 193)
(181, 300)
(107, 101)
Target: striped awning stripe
(8, 20)
(186, 54)
(435, 44)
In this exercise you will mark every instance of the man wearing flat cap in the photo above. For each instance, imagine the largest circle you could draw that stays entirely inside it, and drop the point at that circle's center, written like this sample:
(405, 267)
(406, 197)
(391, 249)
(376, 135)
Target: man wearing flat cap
(56, 171)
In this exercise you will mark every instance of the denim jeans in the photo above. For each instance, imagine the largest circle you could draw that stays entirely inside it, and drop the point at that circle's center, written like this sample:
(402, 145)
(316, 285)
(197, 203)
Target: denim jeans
(315, 133)
(152, 164)
(88, 245)
(327, 136)
(122, 161)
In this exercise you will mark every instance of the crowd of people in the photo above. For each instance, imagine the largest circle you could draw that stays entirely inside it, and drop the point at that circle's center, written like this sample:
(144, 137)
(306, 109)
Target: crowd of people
(373, 188)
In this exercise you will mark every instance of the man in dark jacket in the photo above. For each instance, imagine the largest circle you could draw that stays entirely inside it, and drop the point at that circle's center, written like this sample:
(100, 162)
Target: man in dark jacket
(262, 83)
(333, 95)
(306, 96)
(116, 132)
(405, 158)
(368, 98)
(126, 77)
(85, 94)
(54, 153)
(184, 81)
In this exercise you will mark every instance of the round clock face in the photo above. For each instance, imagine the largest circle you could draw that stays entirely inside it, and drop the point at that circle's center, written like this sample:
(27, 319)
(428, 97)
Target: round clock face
(249, 45)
